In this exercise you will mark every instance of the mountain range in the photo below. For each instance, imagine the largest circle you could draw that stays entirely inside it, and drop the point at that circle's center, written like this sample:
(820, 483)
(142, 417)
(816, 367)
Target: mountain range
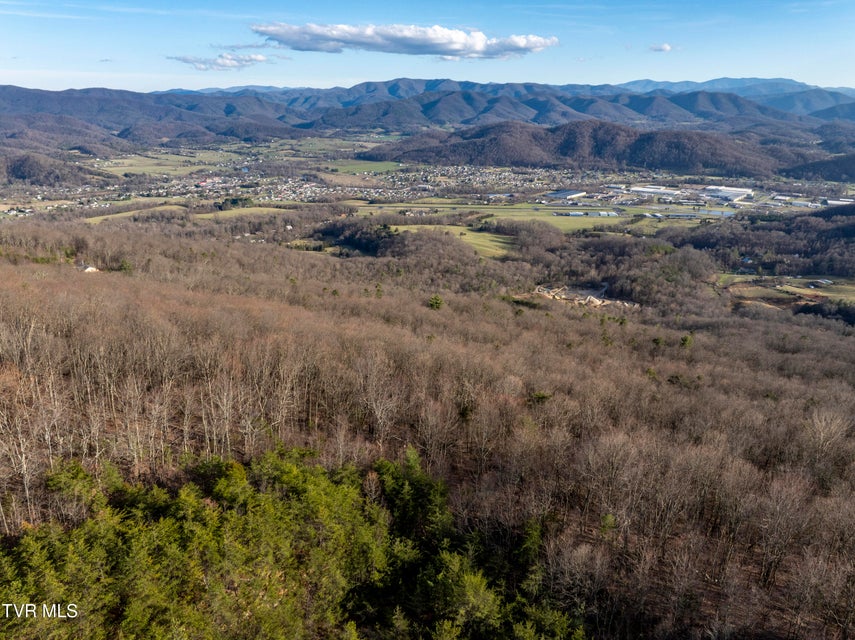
(787, 123)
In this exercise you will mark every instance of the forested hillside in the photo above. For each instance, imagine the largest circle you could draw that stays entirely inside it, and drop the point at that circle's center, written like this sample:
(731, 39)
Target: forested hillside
(726, 127)
(591, 144)
(225, 438)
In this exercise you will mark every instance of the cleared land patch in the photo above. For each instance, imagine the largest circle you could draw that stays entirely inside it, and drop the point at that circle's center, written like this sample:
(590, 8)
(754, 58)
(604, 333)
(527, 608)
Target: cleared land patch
(244, 211)
(168, 208)
(170, 164)
(784, 291)
(840, 289)
(523, 212)
(488, 245)
(364, 166)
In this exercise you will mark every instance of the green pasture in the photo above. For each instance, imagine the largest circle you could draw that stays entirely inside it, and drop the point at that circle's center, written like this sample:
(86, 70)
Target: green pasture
(313, 147)
(521, 211)
(544, 214)
(171, 164)
(488, 245)
(363, 166)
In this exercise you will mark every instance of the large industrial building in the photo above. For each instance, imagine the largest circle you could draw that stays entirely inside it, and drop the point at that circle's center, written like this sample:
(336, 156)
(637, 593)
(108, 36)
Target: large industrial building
(731, 194)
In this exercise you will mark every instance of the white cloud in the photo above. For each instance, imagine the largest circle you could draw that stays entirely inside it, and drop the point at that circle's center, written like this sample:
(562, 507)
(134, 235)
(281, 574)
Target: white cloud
(400, 38)
(223, 62)
(661, 48)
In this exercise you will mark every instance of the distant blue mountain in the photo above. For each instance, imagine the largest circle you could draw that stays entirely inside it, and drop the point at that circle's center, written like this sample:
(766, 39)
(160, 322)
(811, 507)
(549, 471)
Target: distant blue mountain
(745, 87)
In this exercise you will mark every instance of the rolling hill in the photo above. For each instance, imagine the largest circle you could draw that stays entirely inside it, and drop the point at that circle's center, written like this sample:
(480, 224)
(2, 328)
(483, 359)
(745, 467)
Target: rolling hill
(591, 144)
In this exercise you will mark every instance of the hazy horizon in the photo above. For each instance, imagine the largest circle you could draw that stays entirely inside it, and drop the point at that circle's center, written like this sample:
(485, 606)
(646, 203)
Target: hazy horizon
(260, 87)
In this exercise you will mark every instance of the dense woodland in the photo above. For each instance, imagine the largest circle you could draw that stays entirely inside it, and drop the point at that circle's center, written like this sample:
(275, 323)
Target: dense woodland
(217, 438)
(590, 144)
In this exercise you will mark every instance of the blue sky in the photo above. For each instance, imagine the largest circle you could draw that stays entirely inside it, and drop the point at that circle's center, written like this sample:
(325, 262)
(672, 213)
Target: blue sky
(153, 45)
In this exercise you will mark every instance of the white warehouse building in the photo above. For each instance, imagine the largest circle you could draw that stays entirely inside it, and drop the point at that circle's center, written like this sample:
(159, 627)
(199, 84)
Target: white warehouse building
(655, 190)
(731, 194)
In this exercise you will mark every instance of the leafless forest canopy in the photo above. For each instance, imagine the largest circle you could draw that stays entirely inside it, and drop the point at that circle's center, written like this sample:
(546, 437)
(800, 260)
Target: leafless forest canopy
(689, 464)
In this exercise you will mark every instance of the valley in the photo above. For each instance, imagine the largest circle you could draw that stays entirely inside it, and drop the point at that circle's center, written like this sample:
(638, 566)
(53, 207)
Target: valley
(429, 359)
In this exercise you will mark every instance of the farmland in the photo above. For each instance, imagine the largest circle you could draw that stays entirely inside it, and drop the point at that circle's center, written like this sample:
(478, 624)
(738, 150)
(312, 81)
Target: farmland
(488, 245)
(170, 209)
(168, 164)
(790, 290)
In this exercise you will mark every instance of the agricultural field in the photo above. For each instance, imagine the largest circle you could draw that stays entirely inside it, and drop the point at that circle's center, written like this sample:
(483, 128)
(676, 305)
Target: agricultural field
(363, 166)
(840, 289)
(487, 245)
(649, 226)
(167, 208)
(243, 211)
(787, 290)
(527, 213)
(521, 212)
(167, 163)
(319, 147)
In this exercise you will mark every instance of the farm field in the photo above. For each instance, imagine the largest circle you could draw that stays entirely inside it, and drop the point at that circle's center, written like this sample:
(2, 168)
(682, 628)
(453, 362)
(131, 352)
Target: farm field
(319, 147)
(488, 245)
(841, 289)
(522, 212)
(787, 290)
(364, 166)
(169, 164)
(171, 208)
(243, 211)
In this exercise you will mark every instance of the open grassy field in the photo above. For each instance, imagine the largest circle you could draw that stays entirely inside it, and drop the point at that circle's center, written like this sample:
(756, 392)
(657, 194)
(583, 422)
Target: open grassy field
(170, 164)
(842, 289)
(727, 279)
(522, 211)
(244, 211)
(649, 226)
(173, 208)
(781, 290)
(488, 245)
(564, 223)
(760, 292)
(319, 147)
(364, 166)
